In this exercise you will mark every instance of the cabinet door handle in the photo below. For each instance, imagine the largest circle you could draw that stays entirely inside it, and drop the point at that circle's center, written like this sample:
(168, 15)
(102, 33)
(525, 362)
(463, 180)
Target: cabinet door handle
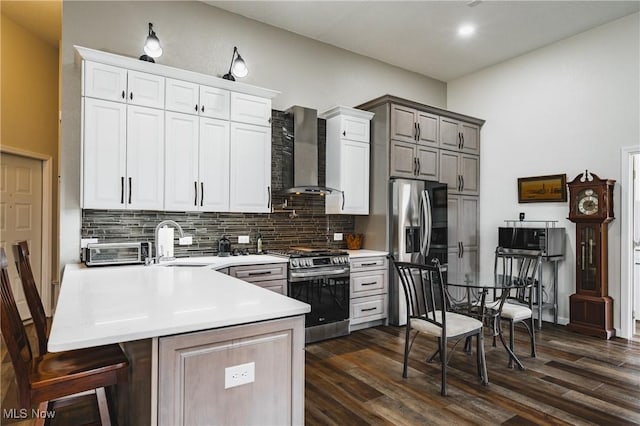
(370, 283)
(419, 167)
(369, 264)
(268, 197)
(130, 190)
(196, 107)
(342, 193)
(461, 249)
(121, 189)
(415, 166)
(462, 134)
(368, 309)
(253, 274)
(419, 131)
(202, 108)
(459, 140)
(131, 95)
(195, 192)
(415, 131)
(344, 133)
(461, 183)
(124, 96)
(201, 194)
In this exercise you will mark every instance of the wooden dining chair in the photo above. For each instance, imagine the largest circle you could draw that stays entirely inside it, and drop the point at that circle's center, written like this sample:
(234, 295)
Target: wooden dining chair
(34, 302)
(517, 272)
(44, 379)
(429, 313)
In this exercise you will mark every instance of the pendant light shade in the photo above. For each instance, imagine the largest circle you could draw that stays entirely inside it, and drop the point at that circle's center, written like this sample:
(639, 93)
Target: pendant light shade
(238, 67)
(152, 48)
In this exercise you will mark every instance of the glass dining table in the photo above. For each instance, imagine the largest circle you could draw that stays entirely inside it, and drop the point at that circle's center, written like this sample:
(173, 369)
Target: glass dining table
(484, 301)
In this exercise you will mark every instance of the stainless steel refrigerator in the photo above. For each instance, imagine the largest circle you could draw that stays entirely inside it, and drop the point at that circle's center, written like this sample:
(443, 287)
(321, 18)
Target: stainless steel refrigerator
(417, 218)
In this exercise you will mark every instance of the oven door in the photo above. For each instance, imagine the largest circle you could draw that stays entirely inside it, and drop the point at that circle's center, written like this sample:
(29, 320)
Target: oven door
(328, 297)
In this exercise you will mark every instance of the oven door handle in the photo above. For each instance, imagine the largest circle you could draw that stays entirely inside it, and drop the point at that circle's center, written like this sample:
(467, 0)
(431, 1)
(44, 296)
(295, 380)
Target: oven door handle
(301, 276)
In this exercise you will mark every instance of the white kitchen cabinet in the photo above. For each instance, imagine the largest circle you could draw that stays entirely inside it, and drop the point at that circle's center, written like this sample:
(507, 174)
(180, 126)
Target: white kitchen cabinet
(347, 154)
(123, 156)
(459, 136)
(120, 85)
(250, 168)
(197, 163)
(368, 291)
(461, 172)
(190, 98)
(250, 109)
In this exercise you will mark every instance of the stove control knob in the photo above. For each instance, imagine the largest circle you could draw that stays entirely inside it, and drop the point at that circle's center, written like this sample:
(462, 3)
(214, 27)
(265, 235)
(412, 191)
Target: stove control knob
(308, 262)
(335, 260)
(345, 260)
(294, 262)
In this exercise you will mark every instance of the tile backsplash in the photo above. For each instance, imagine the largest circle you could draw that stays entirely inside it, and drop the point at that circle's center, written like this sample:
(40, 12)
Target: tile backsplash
(311, 227)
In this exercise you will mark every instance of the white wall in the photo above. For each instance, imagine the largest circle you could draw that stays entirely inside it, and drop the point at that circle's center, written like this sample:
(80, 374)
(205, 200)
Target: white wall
(563, 108)
(201, 38)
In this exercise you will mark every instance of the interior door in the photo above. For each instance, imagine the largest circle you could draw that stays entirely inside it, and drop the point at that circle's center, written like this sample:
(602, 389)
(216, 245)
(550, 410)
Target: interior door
(21, 217)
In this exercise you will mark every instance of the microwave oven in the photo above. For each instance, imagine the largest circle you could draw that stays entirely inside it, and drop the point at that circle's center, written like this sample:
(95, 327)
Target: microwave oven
(99, 254)
(549, 240)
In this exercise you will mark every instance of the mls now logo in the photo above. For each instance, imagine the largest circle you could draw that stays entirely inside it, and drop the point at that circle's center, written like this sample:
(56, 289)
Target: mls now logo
(24, 413)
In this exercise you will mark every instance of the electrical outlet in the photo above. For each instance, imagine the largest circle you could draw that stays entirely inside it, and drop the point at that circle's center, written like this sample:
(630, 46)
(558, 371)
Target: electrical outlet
(239, 375)
(337, 236)
(185, 241)
(243, 239)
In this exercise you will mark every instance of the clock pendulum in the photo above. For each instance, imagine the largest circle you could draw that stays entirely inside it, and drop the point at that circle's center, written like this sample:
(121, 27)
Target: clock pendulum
(591, 209)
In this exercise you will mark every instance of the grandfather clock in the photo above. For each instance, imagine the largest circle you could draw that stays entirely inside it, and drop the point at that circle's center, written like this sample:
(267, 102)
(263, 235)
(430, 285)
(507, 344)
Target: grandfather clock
(591, 209)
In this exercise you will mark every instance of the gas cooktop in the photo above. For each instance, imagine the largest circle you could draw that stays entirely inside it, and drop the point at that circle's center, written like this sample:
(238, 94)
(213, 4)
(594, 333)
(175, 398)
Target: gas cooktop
(294, 252)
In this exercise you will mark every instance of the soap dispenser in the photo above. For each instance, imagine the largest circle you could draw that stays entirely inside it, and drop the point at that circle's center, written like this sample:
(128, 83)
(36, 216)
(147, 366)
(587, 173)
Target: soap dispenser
(259, 243)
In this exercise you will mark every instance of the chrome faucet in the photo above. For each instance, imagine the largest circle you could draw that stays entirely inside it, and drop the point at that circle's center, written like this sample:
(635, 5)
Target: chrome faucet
(160, 225)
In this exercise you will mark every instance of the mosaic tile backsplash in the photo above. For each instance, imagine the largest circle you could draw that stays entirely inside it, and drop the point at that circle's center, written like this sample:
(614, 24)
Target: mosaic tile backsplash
(311, 227)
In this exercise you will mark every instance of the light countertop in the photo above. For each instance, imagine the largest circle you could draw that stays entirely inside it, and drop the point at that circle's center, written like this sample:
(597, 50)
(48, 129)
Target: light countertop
(366, 253)
(113, 304)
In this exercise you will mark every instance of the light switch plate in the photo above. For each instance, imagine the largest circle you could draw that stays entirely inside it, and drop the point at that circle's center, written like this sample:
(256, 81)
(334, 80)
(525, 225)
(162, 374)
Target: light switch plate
(239, 375)
(185, 241)
(243, 239)
(337, 236)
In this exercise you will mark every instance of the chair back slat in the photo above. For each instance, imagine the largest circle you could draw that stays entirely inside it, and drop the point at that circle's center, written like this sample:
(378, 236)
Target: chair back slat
(15, 335)
(21, 256)
(424, 291)
(517, 269)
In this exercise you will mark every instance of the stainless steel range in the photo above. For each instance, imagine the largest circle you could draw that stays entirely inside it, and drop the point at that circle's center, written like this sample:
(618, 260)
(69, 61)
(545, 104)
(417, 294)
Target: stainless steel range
(320, 277)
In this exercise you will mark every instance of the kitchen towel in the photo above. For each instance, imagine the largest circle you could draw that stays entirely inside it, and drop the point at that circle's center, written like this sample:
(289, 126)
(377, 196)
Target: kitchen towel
(165, 241)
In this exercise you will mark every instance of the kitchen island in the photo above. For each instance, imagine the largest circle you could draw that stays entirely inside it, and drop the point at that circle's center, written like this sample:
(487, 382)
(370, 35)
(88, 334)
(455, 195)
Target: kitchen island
(204, 347)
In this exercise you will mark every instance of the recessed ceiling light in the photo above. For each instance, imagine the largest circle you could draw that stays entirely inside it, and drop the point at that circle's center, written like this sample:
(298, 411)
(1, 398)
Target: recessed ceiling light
(466, 30)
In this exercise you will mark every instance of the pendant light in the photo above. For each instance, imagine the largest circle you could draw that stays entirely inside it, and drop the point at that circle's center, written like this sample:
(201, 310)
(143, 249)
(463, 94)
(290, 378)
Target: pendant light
(152, 48)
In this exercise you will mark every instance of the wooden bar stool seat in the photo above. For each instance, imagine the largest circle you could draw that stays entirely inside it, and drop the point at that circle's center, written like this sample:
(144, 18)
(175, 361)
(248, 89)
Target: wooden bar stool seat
(43, 379)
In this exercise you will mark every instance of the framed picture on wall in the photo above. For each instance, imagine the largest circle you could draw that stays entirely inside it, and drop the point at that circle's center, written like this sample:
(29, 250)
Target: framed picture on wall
(542, 189)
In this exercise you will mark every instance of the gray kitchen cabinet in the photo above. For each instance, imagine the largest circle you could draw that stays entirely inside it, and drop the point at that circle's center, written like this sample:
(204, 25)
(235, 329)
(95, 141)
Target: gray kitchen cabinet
(412, 125)
(462, 237)
(270, 276)
(368, 292)
(195, 371)
(409, 160)
(461, 172)
(457, 135)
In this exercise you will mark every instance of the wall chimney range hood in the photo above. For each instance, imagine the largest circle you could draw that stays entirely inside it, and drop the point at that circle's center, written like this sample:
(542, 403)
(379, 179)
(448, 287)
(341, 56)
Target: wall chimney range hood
(305, 153)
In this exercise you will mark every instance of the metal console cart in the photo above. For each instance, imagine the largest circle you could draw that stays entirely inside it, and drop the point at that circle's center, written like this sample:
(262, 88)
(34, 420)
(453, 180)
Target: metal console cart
(524, 234)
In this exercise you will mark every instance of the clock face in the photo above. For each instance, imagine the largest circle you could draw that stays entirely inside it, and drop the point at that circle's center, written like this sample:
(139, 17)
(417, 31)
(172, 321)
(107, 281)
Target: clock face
(587, 202)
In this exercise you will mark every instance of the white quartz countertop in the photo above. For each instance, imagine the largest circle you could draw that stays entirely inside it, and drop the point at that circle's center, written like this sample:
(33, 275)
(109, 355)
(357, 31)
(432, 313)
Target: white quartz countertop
(103, 305)
(366, 253)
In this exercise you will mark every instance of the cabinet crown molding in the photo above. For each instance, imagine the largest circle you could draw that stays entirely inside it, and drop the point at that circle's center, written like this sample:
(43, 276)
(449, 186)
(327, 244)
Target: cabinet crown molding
(85, 53)
(343, 110)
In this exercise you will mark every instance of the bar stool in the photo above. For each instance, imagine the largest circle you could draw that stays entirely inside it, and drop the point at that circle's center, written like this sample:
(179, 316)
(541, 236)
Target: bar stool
(52, 376)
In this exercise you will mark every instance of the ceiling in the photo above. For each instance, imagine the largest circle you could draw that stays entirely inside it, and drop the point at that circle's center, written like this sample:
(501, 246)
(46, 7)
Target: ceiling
(421, 36)
(43, 17)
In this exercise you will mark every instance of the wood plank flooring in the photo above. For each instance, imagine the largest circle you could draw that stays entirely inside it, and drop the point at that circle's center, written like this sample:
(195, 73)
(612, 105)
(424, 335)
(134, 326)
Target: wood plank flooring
(357, 379)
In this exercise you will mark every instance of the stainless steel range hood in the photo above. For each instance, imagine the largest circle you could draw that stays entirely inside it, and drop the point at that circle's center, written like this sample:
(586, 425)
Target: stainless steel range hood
(305, 153)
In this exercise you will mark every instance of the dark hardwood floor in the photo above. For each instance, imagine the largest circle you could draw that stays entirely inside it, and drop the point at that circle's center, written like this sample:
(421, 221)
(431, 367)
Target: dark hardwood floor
(357, 380)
